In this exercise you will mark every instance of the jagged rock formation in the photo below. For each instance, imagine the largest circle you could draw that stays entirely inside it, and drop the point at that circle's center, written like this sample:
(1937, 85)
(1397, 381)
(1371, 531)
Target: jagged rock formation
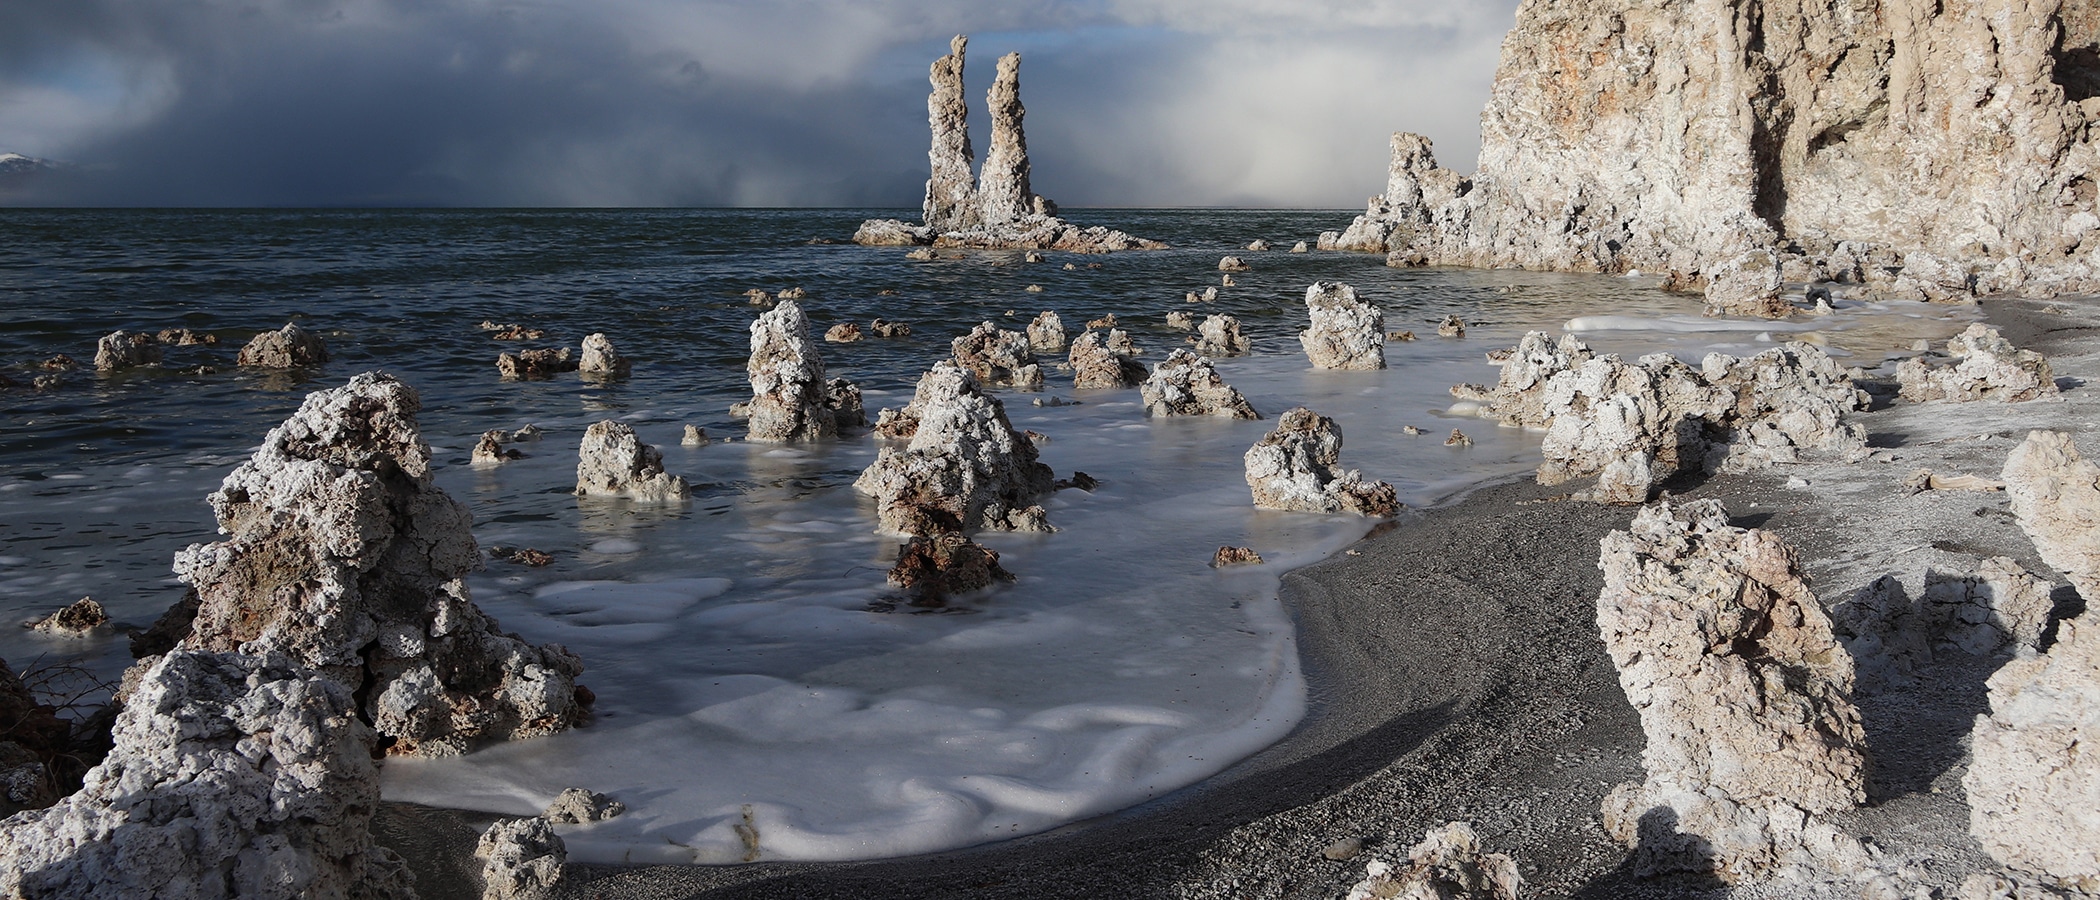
(1346, 333)
(538, 363)
(1519, 395)
(521, 859)
(601, 359)
(844, 333)
(231, 775)
(342, 555)
(999, 358)
(1219, 336)
(612, 462)
(886, 329)
(1096, 365)
(998, 210)
(290, 347)
(1180, 321)
(842, 398)
(489, 450)
(1294, 468)
(788, 397)
(934, 567)
(184, 337)
(1447, 865)
(1227, 557)
(2034, 782)
(80, 618)
(1990, 368)
(2000, 608)
(2055, 494)
(1047, 332)
(126, 350)
(1711, 141)
(965, 468)
(1743, 692)
(1188, 385)
(578, 806)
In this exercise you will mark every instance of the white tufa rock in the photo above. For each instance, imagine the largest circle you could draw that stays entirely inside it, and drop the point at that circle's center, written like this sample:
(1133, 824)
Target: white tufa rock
(1990, 368)
(1519, 396)
(2000, 608)
(965, 468)
(80, 618)
(2055, 494)
(290, 347)
(2034, 781)
(1219, 336)
(230, 775)
(1743, 692)
(1047, 332)
(1447, 865)
(999, 358)
(1186, 384)
(1345, 333)
(342, 554)
(126, 350)
(1096, 365)
(788, 399)
(601, 360)
(1294, 468)
(577, 806)
(612, 462)
(521, 859)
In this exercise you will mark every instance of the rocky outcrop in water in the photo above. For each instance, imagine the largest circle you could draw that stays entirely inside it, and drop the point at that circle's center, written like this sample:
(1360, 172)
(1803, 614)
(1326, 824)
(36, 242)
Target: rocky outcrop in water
(1046, 333)
(612, 462)
(80, 618)
(601, 359)
(935, 567)
(1346, 333)
(1447, 865)
(1743, 692)
(998, 210)
(344, 556)
(788, 396)
(965, 469)
(999, 358)
(2055, 494)
(521, 859)
(290, 347)
(231, 775)
(1186, 384)
(1519, 395)
(543, 362)
(1096, 365)
(1295, 468)
(1989, 367)
(578, 806)
(844, 333)
(1715, 141)
(2034, 781)
(126, 350)
(1219, 336)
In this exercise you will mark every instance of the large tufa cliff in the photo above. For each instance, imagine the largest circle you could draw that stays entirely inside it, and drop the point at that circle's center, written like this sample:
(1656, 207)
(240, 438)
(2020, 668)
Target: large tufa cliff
(995, 209)
(1722, 140)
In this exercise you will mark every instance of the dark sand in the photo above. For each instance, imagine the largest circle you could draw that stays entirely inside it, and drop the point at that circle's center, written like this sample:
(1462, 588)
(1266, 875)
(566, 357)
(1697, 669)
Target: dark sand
(1457, 674)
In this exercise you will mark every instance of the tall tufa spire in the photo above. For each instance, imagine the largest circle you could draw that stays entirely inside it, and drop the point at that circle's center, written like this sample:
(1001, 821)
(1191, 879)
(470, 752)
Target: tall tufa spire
(951, 192)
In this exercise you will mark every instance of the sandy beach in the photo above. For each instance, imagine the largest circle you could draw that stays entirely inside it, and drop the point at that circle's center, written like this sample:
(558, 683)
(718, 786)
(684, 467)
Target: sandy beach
(1457, 674)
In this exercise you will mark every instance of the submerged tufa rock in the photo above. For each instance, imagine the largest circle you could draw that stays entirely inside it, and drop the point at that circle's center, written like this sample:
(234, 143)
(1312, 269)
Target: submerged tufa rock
(342, 554)
(1447, 865)
(601, 359)
(539, 363)
(1743, 692)
(489, 450)
(965, 468)
(1219, 336)
(2033, 783)
(1990, 369)
(80, 618)
(126, 350)
(577, 806)
(1188, 385)
(789, 401)
(1345, 333)
(1096, 365)
(943, 564)
(290, 347)
(2055, 494)
(999, 358)
(1294, 468)
(613, 462)
(1047, 332)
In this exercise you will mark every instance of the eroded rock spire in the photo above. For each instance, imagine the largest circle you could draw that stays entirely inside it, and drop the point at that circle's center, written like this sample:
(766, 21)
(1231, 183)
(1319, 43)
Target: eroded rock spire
(1002, 194)
(951, 192)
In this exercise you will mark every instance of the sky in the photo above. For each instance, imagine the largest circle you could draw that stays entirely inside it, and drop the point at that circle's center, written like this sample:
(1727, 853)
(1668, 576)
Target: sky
(723, 102)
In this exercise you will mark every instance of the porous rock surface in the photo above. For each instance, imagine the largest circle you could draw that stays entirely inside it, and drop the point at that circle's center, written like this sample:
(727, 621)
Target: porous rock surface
(1185, 384)
(1989, 367)
(1047, 332)
(290, 347)
(788, 395)
(1710, 141)
(965, 468)
(2055, 494)
(126, 350)
(943, 564)
(1295, 468)
(231, 775)
(536, 363)
(612, 462)
(601, 359)
(80, 618)
(576, 806)
(998, 209)
(2034, 781)
(1219, 336)
(1744, 695)
(1999, 609)
(1519, 395)
(1345, 333)
(521, 859)
(344, 556)
(1096, 365)
(1447, 865)
(999, 358)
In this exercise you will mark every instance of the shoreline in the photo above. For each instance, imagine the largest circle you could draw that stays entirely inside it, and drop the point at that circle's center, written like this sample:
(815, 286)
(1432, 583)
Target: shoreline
(1520, 728)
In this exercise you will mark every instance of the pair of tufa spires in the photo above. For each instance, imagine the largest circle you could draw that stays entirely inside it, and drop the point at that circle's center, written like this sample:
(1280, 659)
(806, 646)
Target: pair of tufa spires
(957, 200)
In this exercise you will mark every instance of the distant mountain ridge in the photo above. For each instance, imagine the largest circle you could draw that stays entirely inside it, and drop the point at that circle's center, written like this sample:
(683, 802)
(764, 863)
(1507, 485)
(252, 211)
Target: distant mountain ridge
(12, 164)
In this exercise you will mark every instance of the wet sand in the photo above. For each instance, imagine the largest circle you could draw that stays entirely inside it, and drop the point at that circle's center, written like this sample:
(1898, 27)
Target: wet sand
(1457, 674)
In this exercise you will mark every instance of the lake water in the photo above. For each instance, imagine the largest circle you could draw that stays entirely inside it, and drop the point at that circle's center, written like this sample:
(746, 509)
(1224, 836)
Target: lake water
(761, 694)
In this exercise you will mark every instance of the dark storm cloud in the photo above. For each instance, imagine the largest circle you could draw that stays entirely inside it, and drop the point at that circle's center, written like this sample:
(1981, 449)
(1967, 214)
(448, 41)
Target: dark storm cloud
(646, 102)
